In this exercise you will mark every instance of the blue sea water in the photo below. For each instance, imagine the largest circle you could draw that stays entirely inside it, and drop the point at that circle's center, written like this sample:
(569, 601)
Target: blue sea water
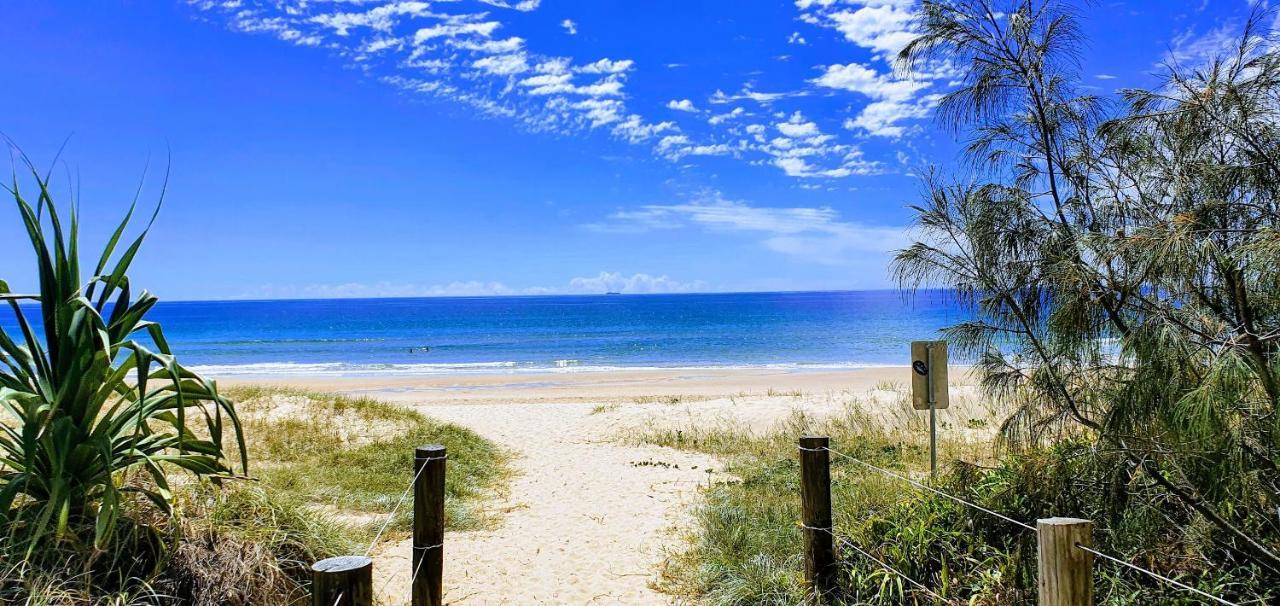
(798, 330)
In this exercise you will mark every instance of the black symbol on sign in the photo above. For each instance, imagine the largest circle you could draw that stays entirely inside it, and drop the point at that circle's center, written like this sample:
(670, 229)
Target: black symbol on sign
(920, 368)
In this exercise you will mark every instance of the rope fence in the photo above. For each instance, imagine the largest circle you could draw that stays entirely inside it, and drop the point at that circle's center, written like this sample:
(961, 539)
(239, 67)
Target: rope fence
(348, 580)
(395, 508)
(928, 488)
(1158, 576)
(847, 542)
(1065, 551)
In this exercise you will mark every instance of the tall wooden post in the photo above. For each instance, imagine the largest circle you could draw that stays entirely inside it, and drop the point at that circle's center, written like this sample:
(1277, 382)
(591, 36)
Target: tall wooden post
(815, 498)
(342, 581)
(428, 526)
(1066, 571)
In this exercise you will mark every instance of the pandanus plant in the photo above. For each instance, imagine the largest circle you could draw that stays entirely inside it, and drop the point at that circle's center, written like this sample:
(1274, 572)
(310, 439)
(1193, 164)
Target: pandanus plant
(94, 415)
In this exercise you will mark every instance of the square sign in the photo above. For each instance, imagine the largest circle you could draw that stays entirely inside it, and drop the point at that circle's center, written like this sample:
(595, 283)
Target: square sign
(929, 375)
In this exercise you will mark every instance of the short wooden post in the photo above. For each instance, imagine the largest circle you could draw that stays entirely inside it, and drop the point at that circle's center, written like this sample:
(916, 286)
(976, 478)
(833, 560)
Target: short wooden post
(342, 581)
(1066, 571)
(815, 498)
(428, 526)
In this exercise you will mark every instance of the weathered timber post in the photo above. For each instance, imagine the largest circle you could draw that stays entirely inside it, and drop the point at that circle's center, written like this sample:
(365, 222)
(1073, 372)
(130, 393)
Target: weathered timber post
(815, 498)
(1066, 571)
(342, 581)
(428, 526)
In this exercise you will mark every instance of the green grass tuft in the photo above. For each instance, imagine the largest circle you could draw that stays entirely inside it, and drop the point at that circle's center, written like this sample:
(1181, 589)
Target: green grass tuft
(746, 547)
(354, 456)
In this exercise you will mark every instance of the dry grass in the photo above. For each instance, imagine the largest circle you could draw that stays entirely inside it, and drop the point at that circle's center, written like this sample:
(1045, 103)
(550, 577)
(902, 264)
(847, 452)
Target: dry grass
(325, 471)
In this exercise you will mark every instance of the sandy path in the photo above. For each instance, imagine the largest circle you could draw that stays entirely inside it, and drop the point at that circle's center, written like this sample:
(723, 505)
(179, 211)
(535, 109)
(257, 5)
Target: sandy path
(589, 517)
(589, 520)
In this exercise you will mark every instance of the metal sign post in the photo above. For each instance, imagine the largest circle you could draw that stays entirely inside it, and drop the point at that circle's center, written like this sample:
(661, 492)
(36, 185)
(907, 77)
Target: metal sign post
(929, 387)
(933, 419)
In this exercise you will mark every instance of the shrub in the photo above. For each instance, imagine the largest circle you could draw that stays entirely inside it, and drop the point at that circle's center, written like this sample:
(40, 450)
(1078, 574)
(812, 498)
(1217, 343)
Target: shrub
(93, 418)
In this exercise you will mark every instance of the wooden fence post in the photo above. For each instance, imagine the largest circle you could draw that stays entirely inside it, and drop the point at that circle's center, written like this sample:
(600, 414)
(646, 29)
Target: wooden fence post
(1066, 571)
(815, 498)
(428, 526)
(342, 581)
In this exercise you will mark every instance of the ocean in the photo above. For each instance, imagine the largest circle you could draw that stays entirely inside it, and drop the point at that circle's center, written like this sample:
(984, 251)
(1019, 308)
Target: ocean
(359, 337)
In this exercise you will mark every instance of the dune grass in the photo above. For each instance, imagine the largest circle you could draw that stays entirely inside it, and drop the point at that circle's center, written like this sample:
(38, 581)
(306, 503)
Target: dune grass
(746, 546)
(325, 470)
(353, 456)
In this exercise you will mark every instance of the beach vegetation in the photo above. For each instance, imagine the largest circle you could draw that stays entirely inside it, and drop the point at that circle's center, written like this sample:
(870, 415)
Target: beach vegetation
(353, 456)
(1120, 260)
(124, 475)
(746, 546)
(98, 412)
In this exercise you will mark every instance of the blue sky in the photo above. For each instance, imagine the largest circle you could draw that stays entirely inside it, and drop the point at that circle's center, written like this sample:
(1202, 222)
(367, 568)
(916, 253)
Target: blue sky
(327, 148)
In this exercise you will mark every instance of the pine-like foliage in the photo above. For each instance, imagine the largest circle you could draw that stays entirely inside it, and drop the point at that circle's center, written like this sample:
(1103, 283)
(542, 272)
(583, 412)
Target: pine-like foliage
(1122, 257)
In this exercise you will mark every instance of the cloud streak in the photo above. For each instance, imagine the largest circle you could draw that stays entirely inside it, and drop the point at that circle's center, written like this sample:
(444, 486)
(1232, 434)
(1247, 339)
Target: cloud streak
(601, 283)
(443, 49)
(469, 55)
(811, 234)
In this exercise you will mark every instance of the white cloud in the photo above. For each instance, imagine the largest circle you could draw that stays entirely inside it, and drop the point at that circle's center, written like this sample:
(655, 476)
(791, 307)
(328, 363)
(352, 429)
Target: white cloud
(456, 55)
(640, 283)
(380, 18)
(503, 65)
(797, 126)
(800, 143)
(882, 118)
(1192, 49)
(453, 28)
(720, 97)
(861, 79)
(603, 282)
(796, 38)
(636, 130)
(466, 55)
(683, 105)
(675, 147)
(730, 115)
(817, 235)
(605, 66)
(562, 84)
(883, 27)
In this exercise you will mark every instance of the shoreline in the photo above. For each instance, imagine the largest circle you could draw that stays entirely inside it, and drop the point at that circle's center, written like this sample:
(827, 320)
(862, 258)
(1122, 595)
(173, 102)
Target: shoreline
(601, 386)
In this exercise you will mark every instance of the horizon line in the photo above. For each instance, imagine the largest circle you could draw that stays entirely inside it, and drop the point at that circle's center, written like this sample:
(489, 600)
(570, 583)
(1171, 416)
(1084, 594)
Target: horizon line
(547, 295)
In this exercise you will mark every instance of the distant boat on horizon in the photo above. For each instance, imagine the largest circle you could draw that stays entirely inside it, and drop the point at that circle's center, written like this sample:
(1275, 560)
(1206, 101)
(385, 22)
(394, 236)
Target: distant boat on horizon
(612, 293)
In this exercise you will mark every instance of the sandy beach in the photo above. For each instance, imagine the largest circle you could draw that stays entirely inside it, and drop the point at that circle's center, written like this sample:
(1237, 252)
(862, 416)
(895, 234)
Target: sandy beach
(594, 386)
(590, 516)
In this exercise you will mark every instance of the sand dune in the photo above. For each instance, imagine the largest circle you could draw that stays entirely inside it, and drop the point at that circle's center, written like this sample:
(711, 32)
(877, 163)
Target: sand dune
(590, 517)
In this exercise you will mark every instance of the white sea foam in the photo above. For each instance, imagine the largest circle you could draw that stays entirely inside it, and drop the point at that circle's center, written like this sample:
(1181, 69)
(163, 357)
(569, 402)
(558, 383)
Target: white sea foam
(343, 369)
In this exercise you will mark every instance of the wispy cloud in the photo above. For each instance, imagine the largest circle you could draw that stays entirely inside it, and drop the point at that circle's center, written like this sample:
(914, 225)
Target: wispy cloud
(469, 55)
(883, 27)
(1192, 48)
(442, 49)
(812, 234)
(747, 94)
(640, 283)
(603, 282)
